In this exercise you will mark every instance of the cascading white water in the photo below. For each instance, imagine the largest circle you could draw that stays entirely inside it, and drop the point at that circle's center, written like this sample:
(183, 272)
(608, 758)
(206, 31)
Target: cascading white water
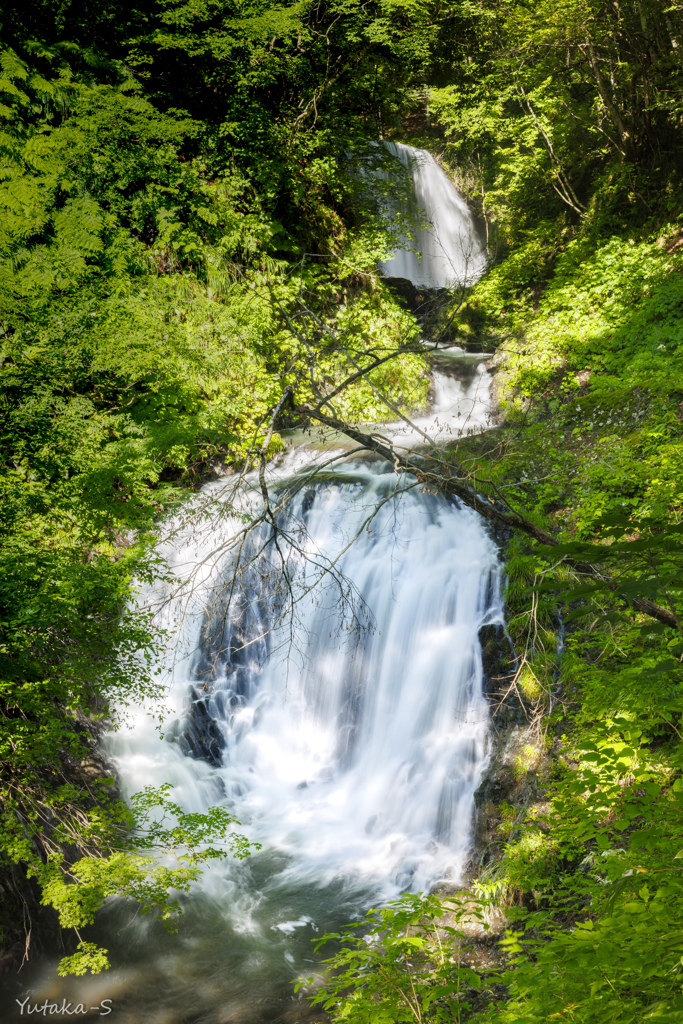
(354, 752)
(449, 250)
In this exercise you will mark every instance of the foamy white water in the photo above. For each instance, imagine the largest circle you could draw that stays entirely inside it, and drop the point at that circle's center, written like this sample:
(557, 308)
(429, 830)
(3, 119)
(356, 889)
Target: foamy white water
(449, 250)
(354, 751)
(461, 404)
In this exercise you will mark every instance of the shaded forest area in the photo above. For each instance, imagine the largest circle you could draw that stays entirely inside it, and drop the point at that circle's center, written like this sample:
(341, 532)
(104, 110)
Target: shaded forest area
(184, 237)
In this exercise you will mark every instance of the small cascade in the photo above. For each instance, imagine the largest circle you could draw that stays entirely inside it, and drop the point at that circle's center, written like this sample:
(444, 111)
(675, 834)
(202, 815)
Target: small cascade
(449, 249)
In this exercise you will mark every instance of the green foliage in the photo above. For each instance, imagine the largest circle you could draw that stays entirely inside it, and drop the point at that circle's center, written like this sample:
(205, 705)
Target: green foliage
(185, 232)
(150, 316)
(620, 960)
(139, 835)
(554, 122)
(590, 382)
(87, 959)
(407, 964)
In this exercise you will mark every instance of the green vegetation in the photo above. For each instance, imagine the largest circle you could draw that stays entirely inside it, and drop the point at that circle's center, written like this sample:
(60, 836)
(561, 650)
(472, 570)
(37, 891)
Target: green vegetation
(590, 384)
(563, 124)
(151, 260)
(185, 235)
(409, 965)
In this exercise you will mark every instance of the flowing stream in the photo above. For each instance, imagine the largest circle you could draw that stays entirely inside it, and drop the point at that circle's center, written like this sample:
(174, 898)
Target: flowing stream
(348, 736)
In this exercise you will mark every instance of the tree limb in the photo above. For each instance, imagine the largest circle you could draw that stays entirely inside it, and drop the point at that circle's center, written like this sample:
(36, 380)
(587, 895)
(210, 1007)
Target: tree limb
(460, 488)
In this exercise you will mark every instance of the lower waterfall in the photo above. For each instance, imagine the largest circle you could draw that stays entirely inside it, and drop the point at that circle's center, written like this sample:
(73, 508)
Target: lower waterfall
(348, 737)
(348, 740)
(351, 737)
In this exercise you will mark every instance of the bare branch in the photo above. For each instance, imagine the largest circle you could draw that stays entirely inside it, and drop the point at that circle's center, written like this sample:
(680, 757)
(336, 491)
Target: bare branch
(462, 489)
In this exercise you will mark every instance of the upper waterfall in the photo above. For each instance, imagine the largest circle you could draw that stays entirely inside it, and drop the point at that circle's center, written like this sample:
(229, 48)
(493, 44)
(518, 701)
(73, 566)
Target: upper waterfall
(450, 251)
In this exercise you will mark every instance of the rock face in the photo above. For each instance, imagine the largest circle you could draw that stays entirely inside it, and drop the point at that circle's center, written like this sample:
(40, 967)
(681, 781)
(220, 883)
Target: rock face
(509, 782)
(198, 734)
(26, 928)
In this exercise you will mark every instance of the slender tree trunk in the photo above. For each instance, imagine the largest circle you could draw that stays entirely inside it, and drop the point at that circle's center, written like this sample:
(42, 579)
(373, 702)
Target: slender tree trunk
(610, 105)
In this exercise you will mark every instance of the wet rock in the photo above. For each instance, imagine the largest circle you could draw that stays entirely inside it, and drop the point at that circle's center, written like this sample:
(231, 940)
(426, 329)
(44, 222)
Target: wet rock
(198, 735)
(499, 662)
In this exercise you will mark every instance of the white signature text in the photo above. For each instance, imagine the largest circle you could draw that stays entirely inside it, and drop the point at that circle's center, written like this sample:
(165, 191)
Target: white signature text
(63, 1007)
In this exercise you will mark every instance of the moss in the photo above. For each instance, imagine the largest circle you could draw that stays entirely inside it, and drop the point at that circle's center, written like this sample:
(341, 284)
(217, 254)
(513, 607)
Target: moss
(529, 684)
(508, 815)
(527, 760)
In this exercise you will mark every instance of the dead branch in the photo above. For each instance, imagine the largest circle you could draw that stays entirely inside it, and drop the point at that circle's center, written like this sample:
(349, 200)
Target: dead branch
(460, 488)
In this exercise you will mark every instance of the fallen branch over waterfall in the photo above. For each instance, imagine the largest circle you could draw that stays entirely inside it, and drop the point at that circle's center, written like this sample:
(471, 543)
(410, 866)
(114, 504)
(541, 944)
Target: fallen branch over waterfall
(458, 486)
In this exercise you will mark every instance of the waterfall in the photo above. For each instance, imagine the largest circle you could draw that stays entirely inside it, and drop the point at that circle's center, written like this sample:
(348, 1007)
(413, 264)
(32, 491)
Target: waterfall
(449, 249)
(350, 738)
(348, 733)
(350, 745)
